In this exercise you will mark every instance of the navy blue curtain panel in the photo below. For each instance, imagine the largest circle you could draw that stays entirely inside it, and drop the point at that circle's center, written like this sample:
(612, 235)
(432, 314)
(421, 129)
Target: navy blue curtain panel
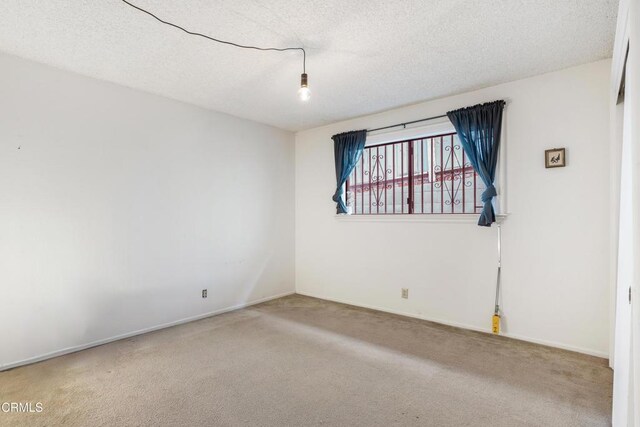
(479, 129)
(347, 147)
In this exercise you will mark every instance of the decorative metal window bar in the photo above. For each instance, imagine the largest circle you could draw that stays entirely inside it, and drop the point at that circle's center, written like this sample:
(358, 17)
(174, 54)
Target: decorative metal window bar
(418, 176)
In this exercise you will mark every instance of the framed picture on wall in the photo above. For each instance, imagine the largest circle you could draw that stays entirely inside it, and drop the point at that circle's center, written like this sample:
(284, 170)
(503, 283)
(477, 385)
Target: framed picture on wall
(554, 158)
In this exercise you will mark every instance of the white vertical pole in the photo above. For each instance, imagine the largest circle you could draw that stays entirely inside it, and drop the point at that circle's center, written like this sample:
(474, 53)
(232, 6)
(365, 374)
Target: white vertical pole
(497, 303)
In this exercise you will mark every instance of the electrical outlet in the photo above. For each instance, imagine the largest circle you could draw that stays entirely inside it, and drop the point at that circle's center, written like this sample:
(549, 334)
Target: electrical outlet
(204, 293)
(405, 293)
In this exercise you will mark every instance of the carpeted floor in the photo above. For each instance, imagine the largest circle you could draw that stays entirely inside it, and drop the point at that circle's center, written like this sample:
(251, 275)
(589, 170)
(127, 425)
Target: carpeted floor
(300, 361)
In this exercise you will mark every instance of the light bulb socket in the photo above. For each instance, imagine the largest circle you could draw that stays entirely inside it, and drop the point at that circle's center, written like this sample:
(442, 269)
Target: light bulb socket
(303, 80)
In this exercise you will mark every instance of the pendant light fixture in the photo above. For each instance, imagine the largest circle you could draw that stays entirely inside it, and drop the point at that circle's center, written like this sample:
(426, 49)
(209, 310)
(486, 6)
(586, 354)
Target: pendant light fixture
(303, 93)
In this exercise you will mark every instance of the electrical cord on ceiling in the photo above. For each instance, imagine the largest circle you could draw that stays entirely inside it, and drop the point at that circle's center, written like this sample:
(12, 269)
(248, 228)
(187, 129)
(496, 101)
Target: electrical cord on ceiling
(304, 92)
(279, 49)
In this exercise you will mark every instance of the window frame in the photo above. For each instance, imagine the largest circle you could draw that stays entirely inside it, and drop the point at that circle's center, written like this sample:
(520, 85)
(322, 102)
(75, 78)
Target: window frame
(421, 132)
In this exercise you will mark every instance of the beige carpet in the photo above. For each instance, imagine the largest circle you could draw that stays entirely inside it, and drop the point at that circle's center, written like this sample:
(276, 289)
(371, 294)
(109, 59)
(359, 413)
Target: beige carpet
(300, 361)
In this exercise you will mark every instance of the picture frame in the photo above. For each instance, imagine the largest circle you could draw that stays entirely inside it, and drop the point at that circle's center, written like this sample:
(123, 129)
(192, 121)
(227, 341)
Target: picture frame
(555, 158)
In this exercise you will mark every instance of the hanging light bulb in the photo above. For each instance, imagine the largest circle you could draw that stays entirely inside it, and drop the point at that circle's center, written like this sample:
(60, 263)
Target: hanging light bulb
(304, 92)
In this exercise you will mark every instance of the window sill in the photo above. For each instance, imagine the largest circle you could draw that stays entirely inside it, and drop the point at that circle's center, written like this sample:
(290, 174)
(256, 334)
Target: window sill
(435, 218)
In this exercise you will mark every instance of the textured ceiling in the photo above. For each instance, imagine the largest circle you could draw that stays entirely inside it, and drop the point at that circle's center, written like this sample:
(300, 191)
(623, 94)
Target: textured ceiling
(364, 56)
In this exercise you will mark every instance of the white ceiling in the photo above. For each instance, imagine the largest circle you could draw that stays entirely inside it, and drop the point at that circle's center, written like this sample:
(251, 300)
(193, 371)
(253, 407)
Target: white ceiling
(364, 56)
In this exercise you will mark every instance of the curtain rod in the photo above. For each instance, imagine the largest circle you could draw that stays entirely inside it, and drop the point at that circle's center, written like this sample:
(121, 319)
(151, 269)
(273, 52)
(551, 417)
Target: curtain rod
(407, 123)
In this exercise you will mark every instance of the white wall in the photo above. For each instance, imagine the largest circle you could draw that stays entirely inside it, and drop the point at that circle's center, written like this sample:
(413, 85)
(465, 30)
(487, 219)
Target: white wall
(118, 207)
(555, 238)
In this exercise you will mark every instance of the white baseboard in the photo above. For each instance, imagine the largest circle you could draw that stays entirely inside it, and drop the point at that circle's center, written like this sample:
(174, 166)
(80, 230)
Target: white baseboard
(464, 326)
(138, 332)
(261, 300)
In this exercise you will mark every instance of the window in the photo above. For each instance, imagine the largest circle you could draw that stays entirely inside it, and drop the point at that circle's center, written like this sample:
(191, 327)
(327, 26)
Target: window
(429, 175)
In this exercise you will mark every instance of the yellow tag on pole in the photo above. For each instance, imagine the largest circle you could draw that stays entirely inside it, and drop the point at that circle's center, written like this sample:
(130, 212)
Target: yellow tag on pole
(495, 324)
